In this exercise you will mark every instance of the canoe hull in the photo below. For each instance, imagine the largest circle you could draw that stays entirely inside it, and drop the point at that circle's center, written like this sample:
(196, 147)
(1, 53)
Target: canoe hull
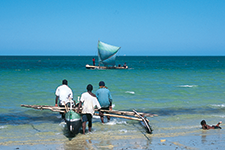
(74, 126)
(103, 67)
(73, 121)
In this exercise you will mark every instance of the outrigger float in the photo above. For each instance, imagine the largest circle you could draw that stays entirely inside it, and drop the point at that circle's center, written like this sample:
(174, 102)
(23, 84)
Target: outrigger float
(73, 119)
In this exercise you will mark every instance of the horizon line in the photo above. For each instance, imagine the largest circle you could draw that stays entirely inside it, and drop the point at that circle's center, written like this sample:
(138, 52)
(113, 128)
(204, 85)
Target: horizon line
(128, 55)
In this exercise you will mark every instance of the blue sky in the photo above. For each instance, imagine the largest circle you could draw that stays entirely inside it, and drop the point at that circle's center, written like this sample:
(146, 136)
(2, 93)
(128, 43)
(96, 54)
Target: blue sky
(140, 27)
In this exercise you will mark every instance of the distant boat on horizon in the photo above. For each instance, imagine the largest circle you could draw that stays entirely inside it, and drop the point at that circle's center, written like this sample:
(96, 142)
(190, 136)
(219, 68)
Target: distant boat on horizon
(106, 57)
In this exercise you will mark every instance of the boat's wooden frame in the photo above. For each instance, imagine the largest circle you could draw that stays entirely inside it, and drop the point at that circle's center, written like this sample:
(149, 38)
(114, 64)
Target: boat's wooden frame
(62, 109)
(138, 116)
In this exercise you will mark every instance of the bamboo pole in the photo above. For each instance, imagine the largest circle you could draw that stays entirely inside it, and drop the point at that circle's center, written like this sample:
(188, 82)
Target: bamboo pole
(41, 107)
(119, 116)
(145, 121)
(62, 109)
(128, 113)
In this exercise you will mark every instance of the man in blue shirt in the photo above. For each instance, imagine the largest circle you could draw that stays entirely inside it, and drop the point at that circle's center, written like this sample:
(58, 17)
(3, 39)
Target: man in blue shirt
(105, 99)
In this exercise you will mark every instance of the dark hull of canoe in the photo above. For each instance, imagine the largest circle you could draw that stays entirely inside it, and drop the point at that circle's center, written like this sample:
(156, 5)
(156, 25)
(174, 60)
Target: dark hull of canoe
(74, 126)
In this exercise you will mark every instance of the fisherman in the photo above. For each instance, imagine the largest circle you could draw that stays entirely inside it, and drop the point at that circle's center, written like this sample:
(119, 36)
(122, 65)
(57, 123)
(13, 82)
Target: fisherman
(125, 65)
(63, 94)
(207, 127)
(89, 101)
(105, 99)
(93, 60)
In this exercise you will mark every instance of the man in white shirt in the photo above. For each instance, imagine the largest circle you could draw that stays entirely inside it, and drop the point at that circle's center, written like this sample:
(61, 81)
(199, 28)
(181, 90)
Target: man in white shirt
(63, 94)
(89, 101)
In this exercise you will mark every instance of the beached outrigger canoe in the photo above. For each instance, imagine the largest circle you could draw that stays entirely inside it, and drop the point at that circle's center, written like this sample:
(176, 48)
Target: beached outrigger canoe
(73, 119)
(106, 57)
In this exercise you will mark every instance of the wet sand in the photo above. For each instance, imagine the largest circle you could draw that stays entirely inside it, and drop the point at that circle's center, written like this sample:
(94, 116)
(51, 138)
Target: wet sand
(109, 137)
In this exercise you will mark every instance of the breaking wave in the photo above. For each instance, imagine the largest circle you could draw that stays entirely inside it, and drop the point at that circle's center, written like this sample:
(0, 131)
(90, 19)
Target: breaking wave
(2, 127)
(187, 86)
(130, 92)
(218, 105)
(114, 122)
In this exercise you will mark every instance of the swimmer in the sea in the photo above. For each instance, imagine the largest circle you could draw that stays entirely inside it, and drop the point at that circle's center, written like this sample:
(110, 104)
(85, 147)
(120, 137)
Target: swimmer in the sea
(207, 127)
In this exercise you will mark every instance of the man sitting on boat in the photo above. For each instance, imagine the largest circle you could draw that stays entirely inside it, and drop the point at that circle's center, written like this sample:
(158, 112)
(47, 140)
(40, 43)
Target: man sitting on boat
(89, 101)
(63, 94)
(125, 65)
(105, 99)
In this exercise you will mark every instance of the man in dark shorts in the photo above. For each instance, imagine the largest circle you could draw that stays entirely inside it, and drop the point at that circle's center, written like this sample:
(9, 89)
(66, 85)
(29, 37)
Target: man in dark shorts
(63, 95)
(105, 99)
(89, 101)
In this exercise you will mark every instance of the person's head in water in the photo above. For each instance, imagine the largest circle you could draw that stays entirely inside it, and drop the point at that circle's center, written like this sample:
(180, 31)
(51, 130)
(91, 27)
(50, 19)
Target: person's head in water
(203, 122)
(89, 87)
(65, 82)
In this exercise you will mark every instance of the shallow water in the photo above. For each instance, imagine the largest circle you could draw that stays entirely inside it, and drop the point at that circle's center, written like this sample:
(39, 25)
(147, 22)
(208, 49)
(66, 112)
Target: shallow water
(181, 90)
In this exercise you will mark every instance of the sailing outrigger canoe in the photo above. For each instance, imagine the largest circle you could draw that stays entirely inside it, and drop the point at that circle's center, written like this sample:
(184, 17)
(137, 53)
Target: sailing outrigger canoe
(73, 119)
(104, 67)
(107, 57)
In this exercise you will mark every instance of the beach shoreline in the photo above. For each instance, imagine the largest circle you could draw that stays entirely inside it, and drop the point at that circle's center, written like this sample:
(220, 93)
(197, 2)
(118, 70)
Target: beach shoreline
(126, 138)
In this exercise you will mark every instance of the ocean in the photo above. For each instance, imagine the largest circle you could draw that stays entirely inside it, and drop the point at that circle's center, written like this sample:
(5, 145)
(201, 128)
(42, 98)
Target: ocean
(181, 90)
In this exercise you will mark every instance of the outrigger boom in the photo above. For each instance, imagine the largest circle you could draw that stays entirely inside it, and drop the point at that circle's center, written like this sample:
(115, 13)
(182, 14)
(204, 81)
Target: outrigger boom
(138, 116)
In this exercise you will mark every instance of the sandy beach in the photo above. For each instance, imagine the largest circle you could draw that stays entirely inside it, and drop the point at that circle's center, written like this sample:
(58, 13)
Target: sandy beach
(109, 137)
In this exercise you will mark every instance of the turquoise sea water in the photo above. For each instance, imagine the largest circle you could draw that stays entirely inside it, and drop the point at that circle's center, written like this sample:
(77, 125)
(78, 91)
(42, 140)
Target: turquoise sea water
(181, 90)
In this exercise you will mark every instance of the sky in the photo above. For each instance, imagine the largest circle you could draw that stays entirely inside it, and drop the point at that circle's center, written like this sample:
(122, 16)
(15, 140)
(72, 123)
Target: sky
(139, 27)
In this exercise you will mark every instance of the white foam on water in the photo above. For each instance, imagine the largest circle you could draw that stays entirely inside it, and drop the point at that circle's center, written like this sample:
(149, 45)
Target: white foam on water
(187, 86)
(130, 92)
(218, 105)
(90, 133)
(183, 127)
(110, 123)
(113, 105)
(219, 116)
(62, 124)
(114, 122)
(96, 117)
(123, 130)
(2, 127)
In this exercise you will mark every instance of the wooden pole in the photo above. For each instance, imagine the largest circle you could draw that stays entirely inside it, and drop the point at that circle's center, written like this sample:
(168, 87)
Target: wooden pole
(128, 113)
(62, 109)
(41, 107)
(145, 121)
(119, 116)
